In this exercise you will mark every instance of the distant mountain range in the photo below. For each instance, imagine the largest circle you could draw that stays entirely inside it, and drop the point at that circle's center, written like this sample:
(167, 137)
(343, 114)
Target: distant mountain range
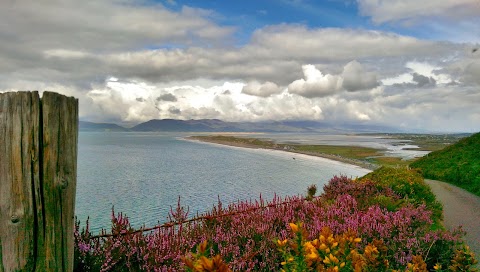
(89, 126)
(215, 125)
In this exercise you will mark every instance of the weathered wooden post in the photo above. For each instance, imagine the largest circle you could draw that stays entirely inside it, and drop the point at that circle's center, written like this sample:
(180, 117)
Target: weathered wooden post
(38, 172)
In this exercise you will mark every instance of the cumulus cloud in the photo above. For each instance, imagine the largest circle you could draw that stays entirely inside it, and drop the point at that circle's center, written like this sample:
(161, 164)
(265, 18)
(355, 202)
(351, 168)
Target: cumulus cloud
(174, 110)
(66, 54)
(167, 97)
(472, 72)
(328, 44)
(420, 74)
(398, 10)
(422, 80)
(273, 54)
(285, 106)
(114, 102)
(436, 19)
(121, 24)
(50, 41)
(411, 109)
(264, 59)
(118, 101)
(261, 89)
(314, 83)
(355, 77)
(140, 60)
(68, 41)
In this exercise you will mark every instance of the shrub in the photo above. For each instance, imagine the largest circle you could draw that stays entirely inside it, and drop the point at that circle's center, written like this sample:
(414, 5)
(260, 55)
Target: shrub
(409, 185)
(244, 235)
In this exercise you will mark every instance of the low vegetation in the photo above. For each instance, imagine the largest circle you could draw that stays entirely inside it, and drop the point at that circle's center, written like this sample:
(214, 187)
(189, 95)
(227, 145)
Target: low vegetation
(363, 156)
(427, 142)
(458, 164)
(366, 157)
(385, 221)
(410, 186)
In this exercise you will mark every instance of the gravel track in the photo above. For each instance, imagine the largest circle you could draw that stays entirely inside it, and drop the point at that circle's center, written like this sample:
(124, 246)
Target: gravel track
(459, 208)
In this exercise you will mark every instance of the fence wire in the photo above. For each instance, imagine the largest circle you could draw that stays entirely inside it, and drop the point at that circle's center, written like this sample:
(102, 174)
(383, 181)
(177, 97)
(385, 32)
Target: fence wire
(194, 219)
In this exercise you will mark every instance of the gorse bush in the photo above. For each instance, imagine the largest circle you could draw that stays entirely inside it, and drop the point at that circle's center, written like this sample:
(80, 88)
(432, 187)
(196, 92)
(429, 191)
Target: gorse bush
(330, 252)
(344, 252)
(408, 185)
(257, 235)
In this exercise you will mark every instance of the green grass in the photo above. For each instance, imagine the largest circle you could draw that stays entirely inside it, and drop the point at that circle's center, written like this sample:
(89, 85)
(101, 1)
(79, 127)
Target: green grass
(426, 142)
(410, 185)
(351, 152)
(391, 161)
(357, 153)
(458, 164)
(236, 140)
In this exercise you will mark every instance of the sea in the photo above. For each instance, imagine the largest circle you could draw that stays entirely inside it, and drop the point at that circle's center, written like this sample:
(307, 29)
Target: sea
(144, 175)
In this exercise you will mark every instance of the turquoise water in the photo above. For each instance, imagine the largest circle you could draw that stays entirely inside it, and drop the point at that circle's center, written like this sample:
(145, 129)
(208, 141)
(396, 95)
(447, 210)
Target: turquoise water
(143, 174)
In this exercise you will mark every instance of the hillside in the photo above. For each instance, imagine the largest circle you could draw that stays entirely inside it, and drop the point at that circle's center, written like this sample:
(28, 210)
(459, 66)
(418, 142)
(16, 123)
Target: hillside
(215, 125)
(89, 126)
(203, 125)
(458, 164)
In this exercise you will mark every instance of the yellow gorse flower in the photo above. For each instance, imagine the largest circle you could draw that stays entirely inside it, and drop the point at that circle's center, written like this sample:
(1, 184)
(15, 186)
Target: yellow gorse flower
(371, 249)
(341, 252)
(281, 243)
(329, 252)
(294, 227)
(313, 256)
(204, 263)
(323, 247)
(199, 262)
(309, 246)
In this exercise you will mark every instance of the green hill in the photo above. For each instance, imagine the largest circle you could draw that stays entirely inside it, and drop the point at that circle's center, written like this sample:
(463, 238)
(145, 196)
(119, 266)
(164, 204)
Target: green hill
(458, 164)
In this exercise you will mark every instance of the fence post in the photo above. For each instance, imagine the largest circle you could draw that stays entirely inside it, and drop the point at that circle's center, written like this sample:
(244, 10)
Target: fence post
(38, 169)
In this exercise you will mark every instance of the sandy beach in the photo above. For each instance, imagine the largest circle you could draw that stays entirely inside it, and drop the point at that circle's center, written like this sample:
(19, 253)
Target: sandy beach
(337, 158)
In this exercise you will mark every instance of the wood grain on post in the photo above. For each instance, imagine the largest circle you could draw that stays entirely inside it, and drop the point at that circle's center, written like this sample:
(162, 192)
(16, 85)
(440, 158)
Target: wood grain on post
(38, 155)
(60, 134)
(19, 178)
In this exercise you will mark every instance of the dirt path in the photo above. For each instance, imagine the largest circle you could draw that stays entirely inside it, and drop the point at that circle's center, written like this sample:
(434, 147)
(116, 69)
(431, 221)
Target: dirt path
(460, 208)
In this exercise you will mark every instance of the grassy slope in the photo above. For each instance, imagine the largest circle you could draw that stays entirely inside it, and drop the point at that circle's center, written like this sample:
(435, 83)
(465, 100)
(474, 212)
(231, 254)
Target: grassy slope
(458, 164)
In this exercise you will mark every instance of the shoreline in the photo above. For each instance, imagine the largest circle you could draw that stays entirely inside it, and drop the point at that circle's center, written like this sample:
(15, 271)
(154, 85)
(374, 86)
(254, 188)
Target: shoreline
(337, 158)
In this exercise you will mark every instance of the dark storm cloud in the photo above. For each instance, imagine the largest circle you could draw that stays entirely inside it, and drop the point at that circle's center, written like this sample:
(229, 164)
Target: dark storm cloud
(167, 97)
(422, 80)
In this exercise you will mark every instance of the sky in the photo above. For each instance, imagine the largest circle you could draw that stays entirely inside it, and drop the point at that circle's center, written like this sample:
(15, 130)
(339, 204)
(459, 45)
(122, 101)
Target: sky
(407, 64)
